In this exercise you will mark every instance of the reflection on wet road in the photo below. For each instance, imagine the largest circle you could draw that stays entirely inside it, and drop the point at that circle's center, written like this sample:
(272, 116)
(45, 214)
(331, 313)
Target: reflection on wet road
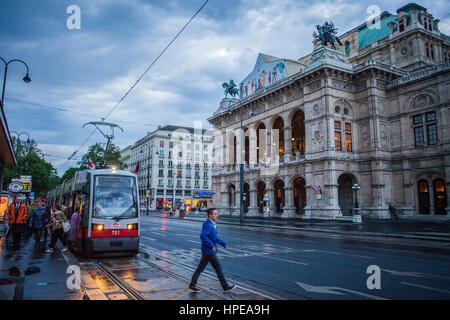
(277, 261)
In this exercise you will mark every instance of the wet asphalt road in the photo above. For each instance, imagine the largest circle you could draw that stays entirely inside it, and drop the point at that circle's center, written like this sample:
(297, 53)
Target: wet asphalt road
(293, 265)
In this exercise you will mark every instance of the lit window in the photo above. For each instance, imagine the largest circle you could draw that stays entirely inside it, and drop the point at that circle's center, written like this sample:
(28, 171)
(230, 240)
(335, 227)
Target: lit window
(337, 136)
(348, 137)
(337, 141)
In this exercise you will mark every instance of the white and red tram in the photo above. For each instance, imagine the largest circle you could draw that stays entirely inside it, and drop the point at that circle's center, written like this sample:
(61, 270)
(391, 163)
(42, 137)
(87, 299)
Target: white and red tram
(108, 212)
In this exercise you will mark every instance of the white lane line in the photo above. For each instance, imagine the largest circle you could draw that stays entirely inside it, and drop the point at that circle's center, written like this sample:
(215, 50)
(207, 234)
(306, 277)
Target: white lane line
(414, 274)
(289, 261)
(424, 287)
(338, 253)
(148, 238)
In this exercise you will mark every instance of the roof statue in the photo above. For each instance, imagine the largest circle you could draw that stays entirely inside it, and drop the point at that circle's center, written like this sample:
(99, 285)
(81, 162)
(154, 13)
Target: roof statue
(230, 89)
(327, 34)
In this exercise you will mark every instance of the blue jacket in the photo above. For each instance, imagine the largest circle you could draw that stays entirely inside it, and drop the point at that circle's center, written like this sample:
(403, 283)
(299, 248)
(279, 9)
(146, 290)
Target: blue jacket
(37, 218)
(209, 238)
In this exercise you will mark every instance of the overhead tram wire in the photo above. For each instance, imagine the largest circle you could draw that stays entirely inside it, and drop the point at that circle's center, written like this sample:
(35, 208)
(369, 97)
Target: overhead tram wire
(142, 75)
(67, 109)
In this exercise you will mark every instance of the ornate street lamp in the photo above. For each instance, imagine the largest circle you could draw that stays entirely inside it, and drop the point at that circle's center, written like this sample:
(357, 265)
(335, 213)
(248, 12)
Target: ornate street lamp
(26, 79)
(356, 210)
(230, 88)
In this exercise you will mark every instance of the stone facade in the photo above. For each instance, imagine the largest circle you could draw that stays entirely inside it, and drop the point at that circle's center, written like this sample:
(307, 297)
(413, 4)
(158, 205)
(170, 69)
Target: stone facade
(375, 112)
(174, 167)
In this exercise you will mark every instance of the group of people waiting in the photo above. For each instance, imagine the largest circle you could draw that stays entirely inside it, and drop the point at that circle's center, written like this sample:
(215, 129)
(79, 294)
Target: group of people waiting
(25, 219)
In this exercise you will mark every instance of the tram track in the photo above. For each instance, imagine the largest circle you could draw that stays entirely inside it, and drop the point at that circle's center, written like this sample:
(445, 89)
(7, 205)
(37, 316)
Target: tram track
(146, 252)
(129, 290)
(134, 294)
(184, 280)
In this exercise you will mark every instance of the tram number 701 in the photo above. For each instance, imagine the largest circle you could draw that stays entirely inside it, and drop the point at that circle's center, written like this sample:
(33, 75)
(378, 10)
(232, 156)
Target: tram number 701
(115, 232)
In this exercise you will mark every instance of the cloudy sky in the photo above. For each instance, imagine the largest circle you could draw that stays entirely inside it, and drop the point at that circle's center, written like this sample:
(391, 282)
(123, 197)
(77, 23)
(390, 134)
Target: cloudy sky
(79, 75)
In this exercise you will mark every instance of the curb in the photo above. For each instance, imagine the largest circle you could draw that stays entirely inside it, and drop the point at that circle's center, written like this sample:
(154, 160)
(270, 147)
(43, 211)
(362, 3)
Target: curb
(355, 233)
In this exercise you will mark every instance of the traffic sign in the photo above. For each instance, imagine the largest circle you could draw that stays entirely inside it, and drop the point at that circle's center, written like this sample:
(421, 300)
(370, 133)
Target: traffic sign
(15, 186)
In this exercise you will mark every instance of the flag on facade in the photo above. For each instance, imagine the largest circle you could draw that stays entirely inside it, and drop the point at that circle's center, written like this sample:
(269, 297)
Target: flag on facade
(317, 189)
(137, 168)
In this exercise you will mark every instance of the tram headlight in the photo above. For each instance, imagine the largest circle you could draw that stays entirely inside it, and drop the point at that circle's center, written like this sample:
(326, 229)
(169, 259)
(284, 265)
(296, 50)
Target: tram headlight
(132, 226)
(98, 227)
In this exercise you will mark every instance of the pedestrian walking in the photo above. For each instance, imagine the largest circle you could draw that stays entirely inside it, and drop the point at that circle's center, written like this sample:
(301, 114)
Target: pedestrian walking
(17, 217)
(37, 222)
(73, 226)
(56, 222)
(209, 252)
(47, 218)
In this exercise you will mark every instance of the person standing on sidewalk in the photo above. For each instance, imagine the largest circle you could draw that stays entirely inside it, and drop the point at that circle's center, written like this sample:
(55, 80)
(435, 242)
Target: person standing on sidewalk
(37, 222)
(209, 250)
(17, 217)
(57, 220)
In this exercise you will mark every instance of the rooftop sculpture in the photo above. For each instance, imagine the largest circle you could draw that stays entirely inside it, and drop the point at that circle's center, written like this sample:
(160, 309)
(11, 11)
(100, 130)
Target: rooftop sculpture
(327, 34)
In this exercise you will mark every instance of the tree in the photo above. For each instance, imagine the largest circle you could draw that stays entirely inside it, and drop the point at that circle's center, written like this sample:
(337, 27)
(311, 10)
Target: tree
(69, 173)
(31, 163)
(95, 154)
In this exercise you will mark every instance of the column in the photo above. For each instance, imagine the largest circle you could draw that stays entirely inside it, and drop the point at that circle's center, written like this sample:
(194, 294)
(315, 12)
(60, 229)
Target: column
(268, 157)
(289, 208)
(252, 147)
(253, 207)
(287, 144)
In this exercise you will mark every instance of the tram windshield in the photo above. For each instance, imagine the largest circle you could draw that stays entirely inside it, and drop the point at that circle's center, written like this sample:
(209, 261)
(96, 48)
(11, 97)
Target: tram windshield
(115, 197)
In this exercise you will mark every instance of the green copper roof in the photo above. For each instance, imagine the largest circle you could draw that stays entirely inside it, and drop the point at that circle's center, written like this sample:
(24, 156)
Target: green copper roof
(367, 36)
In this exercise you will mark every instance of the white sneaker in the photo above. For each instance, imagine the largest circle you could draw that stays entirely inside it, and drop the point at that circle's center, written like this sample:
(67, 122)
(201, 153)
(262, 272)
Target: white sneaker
(65, 249)
(49, 250)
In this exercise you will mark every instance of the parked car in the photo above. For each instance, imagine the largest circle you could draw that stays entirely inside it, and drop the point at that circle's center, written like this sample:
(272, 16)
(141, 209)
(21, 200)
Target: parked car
(166, 210)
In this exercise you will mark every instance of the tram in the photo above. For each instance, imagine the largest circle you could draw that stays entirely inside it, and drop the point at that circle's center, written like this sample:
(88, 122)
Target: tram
(108, 212)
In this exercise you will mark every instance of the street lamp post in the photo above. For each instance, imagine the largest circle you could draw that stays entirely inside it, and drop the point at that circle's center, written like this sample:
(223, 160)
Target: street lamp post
(26, 79)
(356, 210)
(241, 165)
(15, 149)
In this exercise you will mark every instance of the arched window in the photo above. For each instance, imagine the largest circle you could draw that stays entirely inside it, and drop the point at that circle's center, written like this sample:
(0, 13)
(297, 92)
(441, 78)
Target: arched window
(278, 125)
(261, 143)
(298, 132)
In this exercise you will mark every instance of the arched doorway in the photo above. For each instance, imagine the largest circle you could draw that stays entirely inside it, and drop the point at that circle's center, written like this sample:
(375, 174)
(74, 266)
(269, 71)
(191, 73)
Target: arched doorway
(278, 187)
(440, 196)
(299, 195)
(345, 194)
(278, 124)
(261, 189)
(423, 196)
(298, 132)
(260, 143)
(231, 195)
(247, 197)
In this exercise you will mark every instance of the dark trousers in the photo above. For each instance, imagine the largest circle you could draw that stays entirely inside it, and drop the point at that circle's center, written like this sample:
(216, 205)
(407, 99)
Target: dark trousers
(17, 231)
(37, 234)
(212, 258)
(57, 234)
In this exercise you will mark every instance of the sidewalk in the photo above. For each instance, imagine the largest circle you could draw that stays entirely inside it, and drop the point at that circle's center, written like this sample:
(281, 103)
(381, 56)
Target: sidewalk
(37, 275)
(424, 230)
